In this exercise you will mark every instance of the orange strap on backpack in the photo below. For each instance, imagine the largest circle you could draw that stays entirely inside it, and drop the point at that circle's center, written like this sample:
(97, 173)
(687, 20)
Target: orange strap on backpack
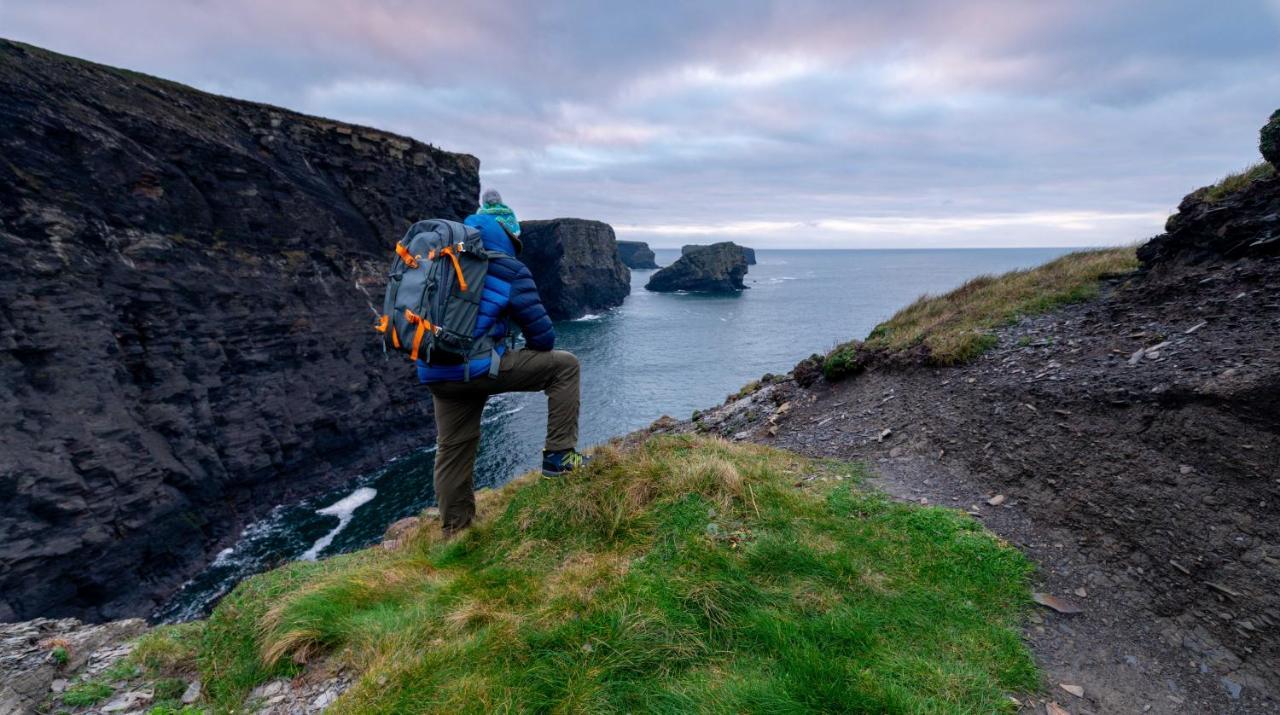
(457, 267)
(408, 258)
(384, 325)
(423, 326)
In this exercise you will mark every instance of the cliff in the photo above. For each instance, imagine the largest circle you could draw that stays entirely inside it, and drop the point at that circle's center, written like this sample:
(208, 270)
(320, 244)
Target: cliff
(1237, 218)
(718, 268)
(636, 255)
(184, 339)
(576, 265)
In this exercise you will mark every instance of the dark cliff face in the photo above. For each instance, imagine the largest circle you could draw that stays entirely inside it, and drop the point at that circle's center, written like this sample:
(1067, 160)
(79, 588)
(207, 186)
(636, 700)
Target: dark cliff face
(636, 255)
(717, 268)
(1238, 218)
(747, 253)
(1269, 139)
(185, 283)
(1242, 223)
(575, 264)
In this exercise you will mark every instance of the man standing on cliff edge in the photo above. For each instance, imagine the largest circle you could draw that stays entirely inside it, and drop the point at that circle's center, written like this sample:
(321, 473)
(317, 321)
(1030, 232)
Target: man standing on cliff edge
(509, 294)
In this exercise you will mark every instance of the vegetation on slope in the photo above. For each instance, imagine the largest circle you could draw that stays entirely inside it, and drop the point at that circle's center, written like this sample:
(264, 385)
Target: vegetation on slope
(958, 326)
(1231, 183)
(680, 574)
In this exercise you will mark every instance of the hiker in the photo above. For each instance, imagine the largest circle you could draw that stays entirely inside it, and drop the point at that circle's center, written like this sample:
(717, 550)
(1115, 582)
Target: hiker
(509, 293)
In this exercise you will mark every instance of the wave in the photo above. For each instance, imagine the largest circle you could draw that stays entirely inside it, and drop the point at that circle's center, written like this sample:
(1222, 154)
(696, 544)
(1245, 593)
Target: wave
(490, 419)
(344, 509)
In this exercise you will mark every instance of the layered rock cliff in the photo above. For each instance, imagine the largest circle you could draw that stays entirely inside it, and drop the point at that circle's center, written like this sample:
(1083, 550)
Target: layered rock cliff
(1236, 219)
(636, 255)
(576, 265)
(185, 282)
(717, 268)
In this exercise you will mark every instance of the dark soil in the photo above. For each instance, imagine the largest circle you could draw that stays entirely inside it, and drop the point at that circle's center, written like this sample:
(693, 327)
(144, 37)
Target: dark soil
(1145, 485)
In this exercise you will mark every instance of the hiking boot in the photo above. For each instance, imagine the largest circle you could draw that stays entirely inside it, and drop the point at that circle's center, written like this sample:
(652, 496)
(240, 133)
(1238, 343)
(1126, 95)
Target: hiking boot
(561, 462)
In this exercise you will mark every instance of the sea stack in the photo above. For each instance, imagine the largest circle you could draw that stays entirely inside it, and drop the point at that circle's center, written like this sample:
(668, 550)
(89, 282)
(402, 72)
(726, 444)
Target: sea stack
(576, 265)
(636, 255)
(718, 268)
(748, 253)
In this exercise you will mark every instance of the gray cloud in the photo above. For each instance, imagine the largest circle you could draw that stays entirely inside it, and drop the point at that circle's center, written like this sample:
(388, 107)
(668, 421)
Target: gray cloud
(812, 123)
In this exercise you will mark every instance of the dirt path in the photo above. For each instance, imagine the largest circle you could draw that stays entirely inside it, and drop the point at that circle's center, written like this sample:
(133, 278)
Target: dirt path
(1134, 445)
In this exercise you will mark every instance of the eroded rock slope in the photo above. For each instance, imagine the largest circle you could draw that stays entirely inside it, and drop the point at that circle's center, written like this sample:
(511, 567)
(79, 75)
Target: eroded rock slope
(1129, 444)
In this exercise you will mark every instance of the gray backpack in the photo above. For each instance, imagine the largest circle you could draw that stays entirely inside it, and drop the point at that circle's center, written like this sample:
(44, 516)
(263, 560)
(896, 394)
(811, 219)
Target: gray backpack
(433, 296)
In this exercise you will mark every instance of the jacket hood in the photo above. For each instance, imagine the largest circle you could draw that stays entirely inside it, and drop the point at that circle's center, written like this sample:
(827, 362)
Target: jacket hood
(495, 237)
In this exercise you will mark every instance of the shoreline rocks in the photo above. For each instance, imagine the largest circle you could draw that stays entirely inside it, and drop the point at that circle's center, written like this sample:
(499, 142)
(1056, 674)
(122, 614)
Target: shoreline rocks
(718, 268)
(636, 255)
(576, 265)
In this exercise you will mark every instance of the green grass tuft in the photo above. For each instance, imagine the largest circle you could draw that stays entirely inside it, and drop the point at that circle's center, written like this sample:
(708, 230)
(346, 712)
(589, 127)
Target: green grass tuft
(957, 327)
(1231, 183)
(84, 694)
(683, 574)
(169, 650)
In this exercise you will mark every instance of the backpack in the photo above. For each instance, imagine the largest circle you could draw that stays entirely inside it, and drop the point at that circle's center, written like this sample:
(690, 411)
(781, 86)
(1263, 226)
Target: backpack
(433, 296)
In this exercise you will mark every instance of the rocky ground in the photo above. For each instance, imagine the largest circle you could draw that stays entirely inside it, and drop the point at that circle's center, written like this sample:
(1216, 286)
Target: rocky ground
(34, 678)
(1129, 445)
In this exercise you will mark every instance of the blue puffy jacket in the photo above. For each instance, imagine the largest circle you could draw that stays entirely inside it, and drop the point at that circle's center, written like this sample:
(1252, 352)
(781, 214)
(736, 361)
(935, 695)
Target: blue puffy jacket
(509, 292)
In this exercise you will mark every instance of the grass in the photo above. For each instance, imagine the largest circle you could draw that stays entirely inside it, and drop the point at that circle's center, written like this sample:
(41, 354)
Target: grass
(958, 326)
(169, 650)
(682, 574)
(79, 695)
(1231, 183)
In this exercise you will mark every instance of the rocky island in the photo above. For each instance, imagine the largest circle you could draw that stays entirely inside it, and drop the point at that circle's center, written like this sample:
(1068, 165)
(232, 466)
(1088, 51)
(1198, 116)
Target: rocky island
(717, 268)
(636, 255)
(576, 265)
(748, 253)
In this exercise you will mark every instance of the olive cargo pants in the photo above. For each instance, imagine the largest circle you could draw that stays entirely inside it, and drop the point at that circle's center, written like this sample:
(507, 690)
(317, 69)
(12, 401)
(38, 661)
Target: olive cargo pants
(458, 407)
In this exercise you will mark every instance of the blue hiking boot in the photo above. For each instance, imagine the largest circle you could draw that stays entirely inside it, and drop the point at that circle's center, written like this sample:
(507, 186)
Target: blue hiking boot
(561, 462)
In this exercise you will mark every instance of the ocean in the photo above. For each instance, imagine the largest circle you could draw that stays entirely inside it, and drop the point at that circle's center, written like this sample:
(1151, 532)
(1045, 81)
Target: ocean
(657, 354)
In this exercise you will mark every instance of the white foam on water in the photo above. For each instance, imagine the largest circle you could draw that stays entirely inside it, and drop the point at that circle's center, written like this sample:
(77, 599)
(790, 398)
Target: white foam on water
(344, 509)
(588, 316)
(490, 419)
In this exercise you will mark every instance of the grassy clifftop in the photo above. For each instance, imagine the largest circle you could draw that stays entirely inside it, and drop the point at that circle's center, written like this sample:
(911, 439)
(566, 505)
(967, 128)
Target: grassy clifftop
(957, 326)
(679, 574)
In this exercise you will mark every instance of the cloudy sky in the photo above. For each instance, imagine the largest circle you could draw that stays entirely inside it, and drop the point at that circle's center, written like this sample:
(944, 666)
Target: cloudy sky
(821, 124)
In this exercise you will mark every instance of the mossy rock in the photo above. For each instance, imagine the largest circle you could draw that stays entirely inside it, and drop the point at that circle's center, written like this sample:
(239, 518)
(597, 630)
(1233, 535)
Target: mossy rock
(1269, 142)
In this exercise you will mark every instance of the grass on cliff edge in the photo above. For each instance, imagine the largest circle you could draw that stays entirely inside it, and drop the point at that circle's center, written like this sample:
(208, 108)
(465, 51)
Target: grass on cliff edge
(682, 574)
(958, 326)
(1232, 183)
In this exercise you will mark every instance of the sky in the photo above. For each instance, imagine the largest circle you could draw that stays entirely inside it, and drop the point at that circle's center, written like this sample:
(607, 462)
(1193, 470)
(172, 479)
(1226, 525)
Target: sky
(907, 124)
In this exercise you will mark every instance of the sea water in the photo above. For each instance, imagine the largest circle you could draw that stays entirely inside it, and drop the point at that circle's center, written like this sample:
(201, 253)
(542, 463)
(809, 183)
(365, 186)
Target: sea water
(657, 354)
